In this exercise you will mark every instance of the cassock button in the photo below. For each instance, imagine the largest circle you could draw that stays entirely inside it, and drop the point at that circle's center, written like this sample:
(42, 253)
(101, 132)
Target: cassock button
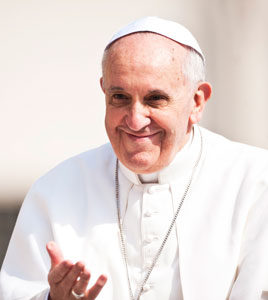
(147, 214)
(149, 239)
(146, 288)
(151, 190)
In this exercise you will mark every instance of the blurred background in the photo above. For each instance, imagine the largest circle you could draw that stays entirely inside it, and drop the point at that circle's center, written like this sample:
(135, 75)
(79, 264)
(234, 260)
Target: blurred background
(51, 106)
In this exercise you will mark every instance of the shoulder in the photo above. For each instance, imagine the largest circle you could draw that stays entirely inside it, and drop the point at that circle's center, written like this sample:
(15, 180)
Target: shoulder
(221, 144)
(227, 154)
(74, 171)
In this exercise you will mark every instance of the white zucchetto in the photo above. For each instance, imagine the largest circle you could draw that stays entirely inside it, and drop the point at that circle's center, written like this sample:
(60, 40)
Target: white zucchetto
(169, 29)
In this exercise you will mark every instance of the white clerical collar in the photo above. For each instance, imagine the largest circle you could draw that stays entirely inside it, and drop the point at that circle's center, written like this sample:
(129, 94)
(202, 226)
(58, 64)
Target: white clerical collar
(181, 165)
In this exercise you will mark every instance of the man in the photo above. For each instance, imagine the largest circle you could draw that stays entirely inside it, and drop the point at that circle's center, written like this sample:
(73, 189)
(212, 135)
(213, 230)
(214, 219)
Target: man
(167, 211)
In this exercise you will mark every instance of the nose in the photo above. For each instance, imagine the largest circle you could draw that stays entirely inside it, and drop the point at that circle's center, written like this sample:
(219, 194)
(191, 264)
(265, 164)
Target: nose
(138, 117)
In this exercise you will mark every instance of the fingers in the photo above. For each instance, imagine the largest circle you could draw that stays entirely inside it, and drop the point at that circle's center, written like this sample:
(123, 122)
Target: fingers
(64, 276)
(72, 276)
(81, 284)
(97, 287)
(55, 253)
(58, 273)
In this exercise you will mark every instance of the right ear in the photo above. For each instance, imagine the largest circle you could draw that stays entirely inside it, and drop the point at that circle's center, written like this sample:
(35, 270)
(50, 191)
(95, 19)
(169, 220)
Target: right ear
(102, 84)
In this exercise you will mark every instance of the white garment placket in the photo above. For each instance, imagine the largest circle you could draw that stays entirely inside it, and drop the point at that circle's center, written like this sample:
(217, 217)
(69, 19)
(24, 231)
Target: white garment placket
(145, 225)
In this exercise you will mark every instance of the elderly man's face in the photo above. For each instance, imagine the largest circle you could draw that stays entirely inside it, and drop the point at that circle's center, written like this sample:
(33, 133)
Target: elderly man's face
(149, 104)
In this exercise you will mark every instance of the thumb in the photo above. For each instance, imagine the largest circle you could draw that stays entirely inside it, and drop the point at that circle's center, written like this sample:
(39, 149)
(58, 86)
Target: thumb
(55, 253)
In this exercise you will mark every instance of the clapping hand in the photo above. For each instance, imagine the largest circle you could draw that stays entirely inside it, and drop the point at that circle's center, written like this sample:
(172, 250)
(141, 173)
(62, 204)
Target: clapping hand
(69, 281)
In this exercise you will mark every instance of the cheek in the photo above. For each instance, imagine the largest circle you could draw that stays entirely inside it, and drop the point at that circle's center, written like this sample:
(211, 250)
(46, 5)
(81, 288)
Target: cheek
(112, 120)
(175, 125)
(169, 121)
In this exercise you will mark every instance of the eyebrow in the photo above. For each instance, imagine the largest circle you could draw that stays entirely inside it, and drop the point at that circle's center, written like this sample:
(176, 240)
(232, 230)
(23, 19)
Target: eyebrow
(157, 91)
(150, 92)
(115, 88)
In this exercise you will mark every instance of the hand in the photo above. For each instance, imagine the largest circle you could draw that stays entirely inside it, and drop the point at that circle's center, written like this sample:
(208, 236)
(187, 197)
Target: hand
(64, 276)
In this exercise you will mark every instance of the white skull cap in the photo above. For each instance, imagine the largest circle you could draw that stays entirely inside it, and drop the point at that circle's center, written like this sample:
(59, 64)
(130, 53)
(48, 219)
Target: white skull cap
(167, 28)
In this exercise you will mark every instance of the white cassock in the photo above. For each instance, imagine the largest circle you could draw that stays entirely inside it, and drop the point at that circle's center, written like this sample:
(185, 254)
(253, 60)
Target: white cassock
(218, 249)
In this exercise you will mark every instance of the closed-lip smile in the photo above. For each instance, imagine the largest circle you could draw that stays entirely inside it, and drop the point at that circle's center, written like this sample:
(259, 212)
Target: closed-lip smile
(141, 137)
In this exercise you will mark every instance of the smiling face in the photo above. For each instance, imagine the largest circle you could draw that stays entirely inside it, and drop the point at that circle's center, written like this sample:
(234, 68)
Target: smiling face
(150, 106)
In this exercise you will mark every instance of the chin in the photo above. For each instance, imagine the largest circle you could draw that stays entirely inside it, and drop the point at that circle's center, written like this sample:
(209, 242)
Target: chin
(141, 163)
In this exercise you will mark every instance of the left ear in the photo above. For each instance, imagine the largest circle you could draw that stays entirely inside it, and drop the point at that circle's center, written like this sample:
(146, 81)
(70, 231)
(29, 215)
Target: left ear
(102, 84)
(201, 97)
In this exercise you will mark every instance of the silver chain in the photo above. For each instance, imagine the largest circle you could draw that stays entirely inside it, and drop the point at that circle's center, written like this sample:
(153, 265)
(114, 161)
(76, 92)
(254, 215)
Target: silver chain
(121, 230)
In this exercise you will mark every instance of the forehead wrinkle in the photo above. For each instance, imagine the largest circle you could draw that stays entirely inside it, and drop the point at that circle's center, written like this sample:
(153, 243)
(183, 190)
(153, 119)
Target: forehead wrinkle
(115, 88)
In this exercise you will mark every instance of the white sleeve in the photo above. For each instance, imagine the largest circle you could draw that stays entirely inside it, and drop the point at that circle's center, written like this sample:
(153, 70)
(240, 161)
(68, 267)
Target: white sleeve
(26, 265)
(252, 274)
(42, 296)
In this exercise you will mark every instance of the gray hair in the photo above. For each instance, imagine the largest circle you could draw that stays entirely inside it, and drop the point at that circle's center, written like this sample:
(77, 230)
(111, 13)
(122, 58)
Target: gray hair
(193, 67)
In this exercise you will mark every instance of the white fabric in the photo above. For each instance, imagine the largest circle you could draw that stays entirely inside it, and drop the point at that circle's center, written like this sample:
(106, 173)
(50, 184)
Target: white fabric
(153, 177)
(149, 178)
(170, 29)
(221, 233)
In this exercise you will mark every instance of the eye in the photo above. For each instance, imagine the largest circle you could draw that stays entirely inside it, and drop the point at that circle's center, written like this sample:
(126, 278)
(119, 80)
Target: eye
(119, 99)
(157, 99)
(119, 96)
